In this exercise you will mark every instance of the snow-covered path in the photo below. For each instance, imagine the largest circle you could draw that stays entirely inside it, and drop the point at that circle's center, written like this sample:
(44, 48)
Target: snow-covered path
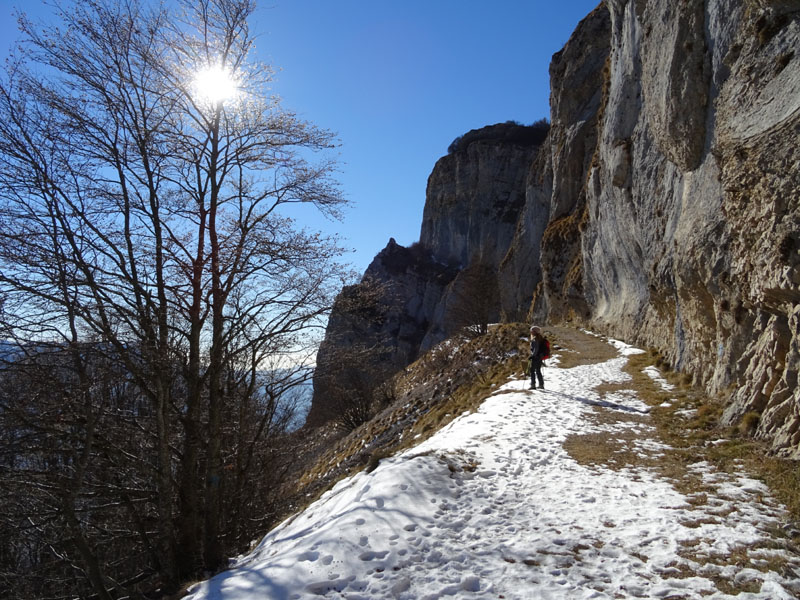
(493, 506)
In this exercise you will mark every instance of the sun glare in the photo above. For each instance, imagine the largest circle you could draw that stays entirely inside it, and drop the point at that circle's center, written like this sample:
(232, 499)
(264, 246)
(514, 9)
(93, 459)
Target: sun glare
(215, 85)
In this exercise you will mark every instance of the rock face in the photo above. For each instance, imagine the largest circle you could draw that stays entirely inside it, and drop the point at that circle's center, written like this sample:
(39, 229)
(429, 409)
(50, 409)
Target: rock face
(377, 326)
(474, 198)
(689, 220)
(582, 68)
(664, 206)
(473, 202)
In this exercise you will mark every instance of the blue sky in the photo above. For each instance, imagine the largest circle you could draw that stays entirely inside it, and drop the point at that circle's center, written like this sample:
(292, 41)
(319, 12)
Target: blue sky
(398, 81)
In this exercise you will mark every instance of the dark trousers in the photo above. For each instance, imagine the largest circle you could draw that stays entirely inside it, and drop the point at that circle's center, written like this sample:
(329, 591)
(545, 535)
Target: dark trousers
(536, 372)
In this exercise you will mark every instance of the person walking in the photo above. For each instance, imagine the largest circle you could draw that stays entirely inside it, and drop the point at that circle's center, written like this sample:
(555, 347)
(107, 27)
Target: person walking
(539, 351)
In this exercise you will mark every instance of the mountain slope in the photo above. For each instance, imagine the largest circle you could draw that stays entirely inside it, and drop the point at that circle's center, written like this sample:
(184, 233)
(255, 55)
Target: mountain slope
(506, 502)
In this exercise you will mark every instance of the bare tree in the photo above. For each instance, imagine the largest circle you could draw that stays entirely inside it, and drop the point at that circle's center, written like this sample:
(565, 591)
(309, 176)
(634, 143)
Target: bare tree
(474, 300)
(353, 376)
(143, 214)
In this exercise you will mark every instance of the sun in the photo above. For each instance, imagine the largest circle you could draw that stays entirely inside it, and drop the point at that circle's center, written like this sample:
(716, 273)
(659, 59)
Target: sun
(215, 85)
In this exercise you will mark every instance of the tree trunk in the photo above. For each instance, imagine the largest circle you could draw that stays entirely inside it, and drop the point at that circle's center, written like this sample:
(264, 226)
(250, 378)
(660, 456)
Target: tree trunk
(213, 545)
(190, 494)
(165, 502)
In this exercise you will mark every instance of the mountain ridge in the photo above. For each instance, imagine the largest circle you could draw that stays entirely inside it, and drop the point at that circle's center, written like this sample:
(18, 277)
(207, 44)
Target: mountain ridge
(662, 208)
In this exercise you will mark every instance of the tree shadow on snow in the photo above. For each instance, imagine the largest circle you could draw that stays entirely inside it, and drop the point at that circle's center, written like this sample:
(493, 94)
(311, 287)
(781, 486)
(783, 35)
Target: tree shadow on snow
(239, 580)
(601, 403)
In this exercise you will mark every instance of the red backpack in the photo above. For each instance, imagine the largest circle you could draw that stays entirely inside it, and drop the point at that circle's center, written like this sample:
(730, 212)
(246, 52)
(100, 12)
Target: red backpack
(546, 349)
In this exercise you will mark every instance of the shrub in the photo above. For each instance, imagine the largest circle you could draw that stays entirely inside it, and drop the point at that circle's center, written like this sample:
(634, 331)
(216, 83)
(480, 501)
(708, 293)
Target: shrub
(749, 423)
(510, 132)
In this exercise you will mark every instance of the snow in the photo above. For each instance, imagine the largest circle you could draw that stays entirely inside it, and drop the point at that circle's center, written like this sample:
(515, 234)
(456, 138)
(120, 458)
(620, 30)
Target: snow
(493, 506)
(655, 375)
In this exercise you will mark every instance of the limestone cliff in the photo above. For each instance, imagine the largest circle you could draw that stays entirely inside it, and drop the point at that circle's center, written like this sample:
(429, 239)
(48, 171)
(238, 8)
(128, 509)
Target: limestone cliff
(473, 201)
(474, 198)
(664, 206)
(688, 219)
(377, 326)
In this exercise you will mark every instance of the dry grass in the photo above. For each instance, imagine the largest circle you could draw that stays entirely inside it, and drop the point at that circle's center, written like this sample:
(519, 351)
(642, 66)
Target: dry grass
(617, 452)
(464, 399)
(758, 557)
(577, 348)
(691, 425)
(688, 421)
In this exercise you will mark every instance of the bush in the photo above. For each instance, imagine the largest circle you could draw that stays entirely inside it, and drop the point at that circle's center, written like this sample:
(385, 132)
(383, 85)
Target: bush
(510, 132)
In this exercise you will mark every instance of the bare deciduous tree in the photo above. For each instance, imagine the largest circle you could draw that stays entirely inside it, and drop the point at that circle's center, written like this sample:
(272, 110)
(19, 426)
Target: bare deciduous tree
(357, 357)
(147, 218)
(475, 300)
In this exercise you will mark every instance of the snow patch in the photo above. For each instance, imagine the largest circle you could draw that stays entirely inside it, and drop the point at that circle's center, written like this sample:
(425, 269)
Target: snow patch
(493, 506)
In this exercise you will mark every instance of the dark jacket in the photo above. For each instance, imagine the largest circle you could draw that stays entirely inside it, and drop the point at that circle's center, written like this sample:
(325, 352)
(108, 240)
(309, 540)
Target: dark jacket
(538, 348)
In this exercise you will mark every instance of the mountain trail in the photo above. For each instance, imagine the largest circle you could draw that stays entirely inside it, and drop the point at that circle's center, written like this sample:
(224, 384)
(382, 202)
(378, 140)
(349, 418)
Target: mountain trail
(496, 505)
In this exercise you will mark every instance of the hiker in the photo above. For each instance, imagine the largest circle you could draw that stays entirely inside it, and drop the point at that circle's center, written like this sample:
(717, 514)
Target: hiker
(540, 349)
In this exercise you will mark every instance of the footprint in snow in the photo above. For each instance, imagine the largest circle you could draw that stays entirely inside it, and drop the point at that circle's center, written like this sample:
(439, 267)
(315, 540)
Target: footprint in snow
(361, 493)
(308, 556)
(369, 556)
(320, 588)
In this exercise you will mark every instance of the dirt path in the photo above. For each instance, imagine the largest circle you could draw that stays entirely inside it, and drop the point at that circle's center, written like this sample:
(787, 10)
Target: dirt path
(577, 347)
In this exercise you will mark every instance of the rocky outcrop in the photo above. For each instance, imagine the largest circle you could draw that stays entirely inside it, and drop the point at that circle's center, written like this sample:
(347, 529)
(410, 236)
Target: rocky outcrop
(582, 67)
(377, 326)
(688, 222)
(473, 201)
(520, 271)
(474, 198)
(675, 76)
(758, 125)
(663, 206)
